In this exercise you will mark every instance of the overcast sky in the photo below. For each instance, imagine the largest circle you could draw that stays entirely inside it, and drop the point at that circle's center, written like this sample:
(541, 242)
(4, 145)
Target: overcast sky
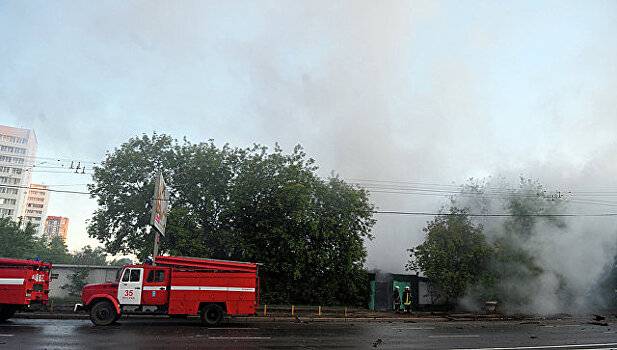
(384, 90)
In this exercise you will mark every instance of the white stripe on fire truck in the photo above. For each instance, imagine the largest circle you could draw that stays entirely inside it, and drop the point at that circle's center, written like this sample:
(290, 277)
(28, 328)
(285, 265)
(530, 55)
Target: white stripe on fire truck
(218, 289)
(11, 281)
(155, 288)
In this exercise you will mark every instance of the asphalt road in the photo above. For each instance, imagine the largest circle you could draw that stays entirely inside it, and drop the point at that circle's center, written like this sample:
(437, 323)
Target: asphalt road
(188, 334)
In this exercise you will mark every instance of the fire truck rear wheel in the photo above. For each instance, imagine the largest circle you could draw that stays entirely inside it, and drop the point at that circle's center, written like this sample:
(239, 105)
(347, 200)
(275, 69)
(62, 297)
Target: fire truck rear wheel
(103, 313)
(211, 314)
(6, 312)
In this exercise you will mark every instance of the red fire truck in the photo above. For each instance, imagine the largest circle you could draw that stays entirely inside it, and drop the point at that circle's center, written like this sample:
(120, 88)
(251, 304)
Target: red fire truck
(22, 283)
(178, 287)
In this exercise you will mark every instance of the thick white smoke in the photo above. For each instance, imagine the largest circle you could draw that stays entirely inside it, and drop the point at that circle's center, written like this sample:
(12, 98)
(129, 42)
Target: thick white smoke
(570, 256)
(389, 90)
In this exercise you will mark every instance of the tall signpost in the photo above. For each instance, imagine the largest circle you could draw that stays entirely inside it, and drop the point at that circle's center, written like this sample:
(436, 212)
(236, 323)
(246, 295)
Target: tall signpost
(158, 219)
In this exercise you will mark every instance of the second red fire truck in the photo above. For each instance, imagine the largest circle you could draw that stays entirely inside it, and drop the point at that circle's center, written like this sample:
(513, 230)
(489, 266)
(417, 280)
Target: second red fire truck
(22, 283)
(178, 287)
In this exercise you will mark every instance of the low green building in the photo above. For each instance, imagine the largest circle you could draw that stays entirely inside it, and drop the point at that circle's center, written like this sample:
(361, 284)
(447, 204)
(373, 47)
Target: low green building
(425, 296)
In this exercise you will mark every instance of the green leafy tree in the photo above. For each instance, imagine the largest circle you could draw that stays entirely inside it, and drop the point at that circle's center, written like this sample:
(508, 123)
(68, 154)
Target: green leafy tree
(77, 281)
(510, 266)
(54, 251)
(245, 204)
(120, 262)
(454, 254)
(123, 187)
(513, 265)
(90, 256)
(18, 241)
(86, 256)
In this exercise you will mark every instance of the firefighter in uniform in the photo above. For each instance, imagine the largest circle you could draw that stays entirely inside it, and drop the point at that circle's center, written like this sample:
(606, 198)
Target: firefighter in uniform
(396, 298)
(407, 299)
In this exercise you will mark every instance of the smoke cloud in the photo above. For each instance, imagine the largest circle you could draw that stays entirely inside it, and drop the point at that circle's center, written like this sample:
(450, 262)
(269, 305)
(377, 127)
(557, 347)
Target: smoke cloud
(546, 265)
(421, 91)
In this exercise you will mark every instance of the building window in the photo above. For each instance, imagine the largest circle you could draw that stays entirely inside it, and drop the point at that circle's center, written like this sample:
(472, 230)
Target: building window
(4, 212)
(9, 201)
(8, 190)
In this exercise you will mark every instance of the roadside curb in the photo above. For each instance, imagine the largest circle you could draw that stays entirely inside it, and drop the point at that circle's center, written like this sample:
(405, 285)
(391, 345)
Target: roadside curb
(300, 319)
(50, 316)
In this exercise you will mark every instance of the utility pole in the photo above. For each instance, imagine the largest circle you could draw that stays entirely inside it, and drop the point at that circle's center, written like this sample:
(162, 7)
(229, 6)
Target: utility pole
(155, 252)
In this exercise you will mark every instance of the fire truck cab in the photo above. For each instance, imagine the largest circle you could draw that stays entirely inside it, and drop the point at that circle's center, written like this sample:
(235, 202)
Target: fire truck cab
(22, 283)
(178, 287)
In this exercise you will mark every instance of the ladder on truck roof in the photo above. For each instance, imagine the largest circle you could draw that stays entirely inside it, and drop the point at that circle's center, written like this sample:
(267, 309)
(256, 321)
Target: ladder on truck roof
(20, 262)
(211, 264)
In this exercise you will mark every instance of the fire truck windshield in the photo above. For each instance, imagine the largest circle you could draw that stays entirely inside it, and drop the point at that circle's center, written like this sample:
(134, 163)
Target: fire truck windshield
(118, 274)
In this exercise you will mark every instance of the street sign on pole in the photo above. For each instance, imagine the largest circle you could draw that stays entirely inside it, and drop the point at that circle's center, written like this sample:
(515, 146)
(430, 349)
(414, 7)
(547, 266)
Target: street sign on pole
(160, 202)
(158, 219)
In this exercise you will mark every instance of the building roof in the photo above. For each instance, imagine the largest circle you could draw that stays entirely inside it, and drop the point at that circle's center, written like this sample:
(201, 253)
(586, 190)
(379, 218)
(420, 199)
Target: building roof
(25, 133)
(71, 266)
(51, 217)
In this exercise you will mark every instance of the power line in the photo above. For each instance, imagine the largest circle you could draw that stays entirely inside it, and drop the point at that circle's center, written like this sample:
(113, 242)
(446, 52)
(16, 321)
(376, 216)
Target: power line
(419, 213)
(58, 159)
(59, 172)
(404, 185)
(594, 202)
(387, 212)
(583, 200)
(588, 196)
(461, 190)
(60, 185)
(44, 189)
(37, 167)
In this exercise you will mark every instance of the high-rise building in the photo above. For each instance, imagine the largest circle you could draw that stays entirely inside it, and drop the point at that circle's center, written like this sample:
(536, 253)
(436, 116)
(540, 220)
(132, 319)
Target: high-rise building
(17, 156)
(36, 206)
(57, 226)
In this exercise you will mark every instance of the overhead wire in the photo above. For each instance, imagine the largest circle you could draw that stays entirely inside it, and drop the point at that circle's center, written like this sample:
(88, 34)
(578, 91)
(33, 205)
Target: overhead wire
(421, 188)
(395, 184)
(419, 213)
(44, 189)
(58, 159)
(587, 196)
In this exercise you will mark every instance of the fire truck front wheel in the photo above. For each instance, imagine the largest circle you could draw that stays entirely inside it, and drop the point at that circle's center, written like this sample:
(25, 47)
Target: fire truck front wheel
(6, 312)
(103, 313)
(211, 314)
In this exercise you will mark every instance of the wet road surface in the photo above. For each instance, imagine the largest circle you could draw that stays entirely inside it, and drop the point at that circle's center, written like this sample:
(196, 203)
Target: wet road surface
(189, 334)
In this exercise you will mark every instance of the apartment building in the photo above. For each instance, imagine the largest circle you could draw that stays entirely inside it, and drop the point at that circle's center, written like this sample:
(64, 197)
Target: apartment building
(57, 226)
(36, 206)
(17, 155)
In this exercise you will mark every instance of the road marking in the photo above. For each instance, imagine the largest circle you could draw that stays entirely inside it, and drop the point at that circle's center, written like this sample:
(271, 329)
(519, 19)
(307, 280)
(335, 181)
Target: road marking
(572, 346)
(214, 289)
(455, 336)
(240, 338)
(231, 328)
(414, 328)
(6, 335)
